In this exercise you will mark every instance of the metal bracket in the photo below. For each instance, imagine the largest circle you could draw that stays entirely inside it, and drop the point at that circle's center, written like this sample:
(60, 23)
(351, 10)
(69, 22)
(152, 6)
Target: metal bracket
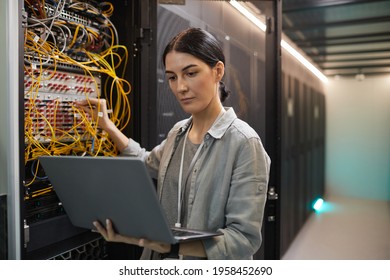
(272, 195)
(26, 234)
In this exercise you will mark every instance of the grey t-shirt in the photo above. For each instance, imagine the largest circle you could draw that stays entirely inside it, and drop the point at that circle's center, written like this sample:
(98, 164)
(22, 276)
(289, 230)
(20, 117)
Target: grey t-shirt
(170, 189)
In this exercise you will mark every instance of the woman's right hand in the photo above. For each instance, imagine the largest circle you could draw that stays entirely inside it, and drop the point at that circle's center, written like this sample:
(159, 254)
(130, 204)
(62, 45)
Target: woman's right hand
(97, 109)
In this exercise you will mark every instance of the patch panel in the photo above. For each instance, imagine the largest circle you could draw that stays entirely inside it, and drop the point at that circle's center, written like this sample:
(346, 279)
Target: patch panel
(67, 16)
(49, 112)
(59, 84)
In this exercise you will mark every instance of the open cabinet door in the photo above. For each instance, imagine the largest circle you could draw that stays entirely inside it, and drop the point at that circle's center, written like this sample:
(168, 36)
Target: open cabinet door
(273, 12)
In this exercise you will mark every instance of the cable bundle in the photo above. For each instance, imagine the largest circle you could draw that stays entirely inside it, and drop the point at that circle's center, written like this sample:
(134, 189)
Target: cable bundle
(69, 48)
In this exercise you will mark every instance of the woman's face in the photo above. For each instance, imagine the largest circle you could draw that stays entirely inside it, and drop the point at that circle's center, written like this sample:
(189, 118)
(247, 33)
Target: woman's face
(193, 82)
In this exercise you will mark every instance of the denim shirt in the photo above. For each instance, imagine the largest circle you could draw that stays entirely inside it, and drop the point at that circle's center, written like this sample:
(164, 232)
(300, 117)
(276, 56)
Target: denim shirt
(228, 183)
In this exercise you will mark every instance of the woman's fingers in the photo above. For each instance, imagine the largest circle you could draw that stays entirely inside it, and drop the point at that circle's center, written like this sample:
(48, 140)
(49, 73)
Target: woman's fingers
(109, 234)
(91, 104)
(88, 101)
(100, 229)
(96, 109)
(110, 230)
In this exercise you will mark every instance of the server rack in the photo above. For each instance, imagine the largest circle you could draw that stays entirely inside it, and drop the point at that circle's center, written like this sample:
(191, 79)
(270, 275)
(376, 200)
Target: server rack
(37, 227)
(302, 154)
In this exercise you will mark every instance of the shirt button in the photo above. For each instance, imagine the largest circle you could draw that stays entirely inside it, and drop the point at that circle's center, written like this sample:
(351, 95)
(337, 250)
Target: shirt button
(207, 136)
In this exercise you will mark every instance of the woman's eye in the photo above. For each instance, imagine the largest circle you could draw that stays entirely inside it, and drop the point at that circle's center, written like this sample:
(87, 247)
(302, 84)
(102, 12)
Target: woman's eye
(171, 78)
(191, 74)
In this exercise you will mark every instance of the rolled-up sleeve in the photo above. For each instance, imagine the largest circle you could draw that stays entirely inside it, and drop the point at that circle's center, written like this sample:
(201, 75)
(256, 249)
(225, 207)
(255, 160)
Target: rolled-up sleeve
(151, 159)
(154, 157)
(135, 150)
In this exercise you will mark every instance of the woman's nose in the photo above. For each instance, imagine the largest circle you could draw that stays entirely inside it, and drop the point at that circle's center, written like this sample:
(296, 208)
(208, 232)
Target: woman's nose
(181, 85)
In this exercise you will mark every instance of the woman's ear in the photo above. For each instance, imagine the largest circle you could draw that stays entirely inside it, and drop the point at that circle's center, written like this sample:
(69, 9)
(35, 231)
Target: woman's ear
(219, 69)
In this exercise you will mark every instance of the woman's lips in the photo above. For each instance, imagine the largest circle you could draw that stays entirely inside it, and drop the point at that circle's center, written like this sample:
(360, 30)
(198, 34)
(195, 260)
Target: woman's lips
(186, 100)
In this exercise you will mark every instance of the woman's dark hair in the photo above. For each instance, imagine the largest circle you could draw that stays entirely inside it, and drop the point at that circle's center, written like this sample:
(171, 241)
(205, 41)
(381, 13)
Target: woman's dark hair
(202, 45)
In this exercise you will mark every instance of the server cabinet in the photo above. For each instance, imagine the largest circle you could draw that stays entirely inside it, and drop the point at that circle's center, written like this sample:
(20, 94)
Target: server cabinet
(302, 155)
(65, 51)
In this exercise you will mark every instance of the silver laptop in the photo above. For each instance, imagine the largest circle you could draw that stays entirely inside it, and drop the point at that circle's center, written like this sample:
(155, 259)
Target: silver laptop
(118, 188)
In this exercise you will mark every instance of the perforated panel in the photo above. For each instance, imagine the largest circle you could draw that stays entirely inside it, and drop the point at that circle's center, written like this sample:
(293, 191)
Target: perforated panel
(168, 110)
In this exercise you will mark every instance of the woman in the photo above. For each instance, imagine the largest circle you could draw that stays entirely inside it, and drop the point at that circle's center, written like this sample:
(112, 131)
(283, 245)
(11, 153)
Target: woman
(213, 161)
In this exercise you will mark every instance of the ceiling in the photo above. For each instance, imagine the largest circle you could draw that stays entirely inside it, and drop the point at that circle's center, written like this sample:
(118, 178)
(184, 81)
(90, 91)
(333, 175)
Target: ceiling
(342, 37)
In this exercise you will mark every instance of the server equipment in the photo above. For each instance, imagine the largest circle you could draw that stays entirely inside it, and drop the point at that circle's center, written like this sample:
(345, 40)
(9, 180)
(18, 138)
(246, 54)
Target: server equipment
(71, 52)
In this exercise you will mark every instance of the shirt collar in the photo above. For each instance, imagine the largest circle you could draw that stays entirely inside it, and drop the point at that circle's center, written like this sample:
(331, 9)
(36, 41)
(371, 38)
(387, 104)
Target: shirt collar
(218, 129)
(220, 126)
(185, 125)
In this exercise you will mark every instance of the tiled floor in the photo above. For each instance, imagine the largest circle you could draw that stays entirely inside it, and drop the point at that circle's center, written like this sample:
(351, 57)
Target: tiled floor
(347, 229)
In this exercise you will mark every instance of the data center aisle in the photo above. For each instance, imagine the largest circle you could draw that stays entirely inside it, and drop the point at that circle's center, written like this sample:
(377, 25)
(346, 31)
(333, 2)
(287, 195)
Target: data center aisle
(347, 229)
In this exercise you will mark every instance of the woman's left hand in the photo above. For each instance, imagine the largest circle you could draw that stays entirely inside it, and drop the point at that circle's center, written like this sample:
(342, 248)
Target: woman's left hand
(110, 235)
